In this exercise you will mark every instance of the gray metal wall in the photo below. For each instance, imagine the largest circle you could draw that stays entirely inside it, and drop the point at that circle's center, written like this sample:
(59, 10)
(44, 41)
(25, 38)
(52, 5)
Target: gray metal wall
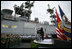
(26, 28)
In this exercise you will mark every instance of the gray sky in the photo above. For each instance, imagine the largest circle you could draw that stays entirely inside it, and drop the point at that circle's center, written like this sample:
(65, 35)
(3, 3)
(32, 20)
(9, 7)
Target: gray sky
(40, 8)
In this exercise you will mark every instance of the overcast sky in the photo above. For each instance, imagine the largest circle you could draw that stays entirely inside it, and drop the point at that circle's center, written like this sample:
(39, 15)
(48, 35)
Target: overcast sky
(40, 8)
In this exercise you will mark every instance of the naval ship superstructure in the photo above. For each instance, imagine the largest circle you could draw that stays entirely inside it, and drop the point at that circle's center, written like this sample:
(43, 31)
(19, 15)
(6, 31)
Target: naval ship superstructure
(22, 25)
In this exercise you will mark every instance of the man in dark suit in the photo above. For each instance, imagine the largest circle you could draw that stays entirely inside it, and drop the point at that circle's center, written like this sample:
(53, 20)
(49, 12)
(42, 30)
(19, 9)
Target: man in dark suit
(42, 33)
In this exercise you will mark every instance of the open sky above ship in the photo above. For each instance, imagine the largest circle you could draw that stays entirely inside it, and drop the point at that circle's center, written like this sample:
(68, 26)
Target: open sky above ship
(40, 8)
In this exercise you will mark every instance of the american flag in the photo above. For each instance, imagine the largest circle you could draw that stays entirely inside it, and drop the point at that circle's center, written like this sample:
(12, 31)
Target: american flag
(59, 29)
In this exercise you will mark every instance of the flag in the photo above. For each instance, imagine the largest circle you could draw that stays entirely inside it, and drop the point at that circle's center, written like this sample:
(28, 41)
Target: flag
(59, 36)
(57, 30)
(66, 24)
(64, 19)
(60, 30)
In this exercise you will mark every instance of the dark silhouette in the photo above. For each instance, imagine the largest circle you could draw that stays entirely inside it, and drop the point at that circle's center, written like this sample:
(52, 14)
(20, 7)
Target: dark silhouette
(42, 33)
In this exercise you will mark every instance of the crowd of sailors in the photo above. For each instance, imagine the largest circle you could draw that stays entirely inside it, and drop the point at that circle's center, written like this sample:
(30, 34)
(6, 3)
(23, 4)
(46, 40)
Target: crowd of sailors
(9, 40)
